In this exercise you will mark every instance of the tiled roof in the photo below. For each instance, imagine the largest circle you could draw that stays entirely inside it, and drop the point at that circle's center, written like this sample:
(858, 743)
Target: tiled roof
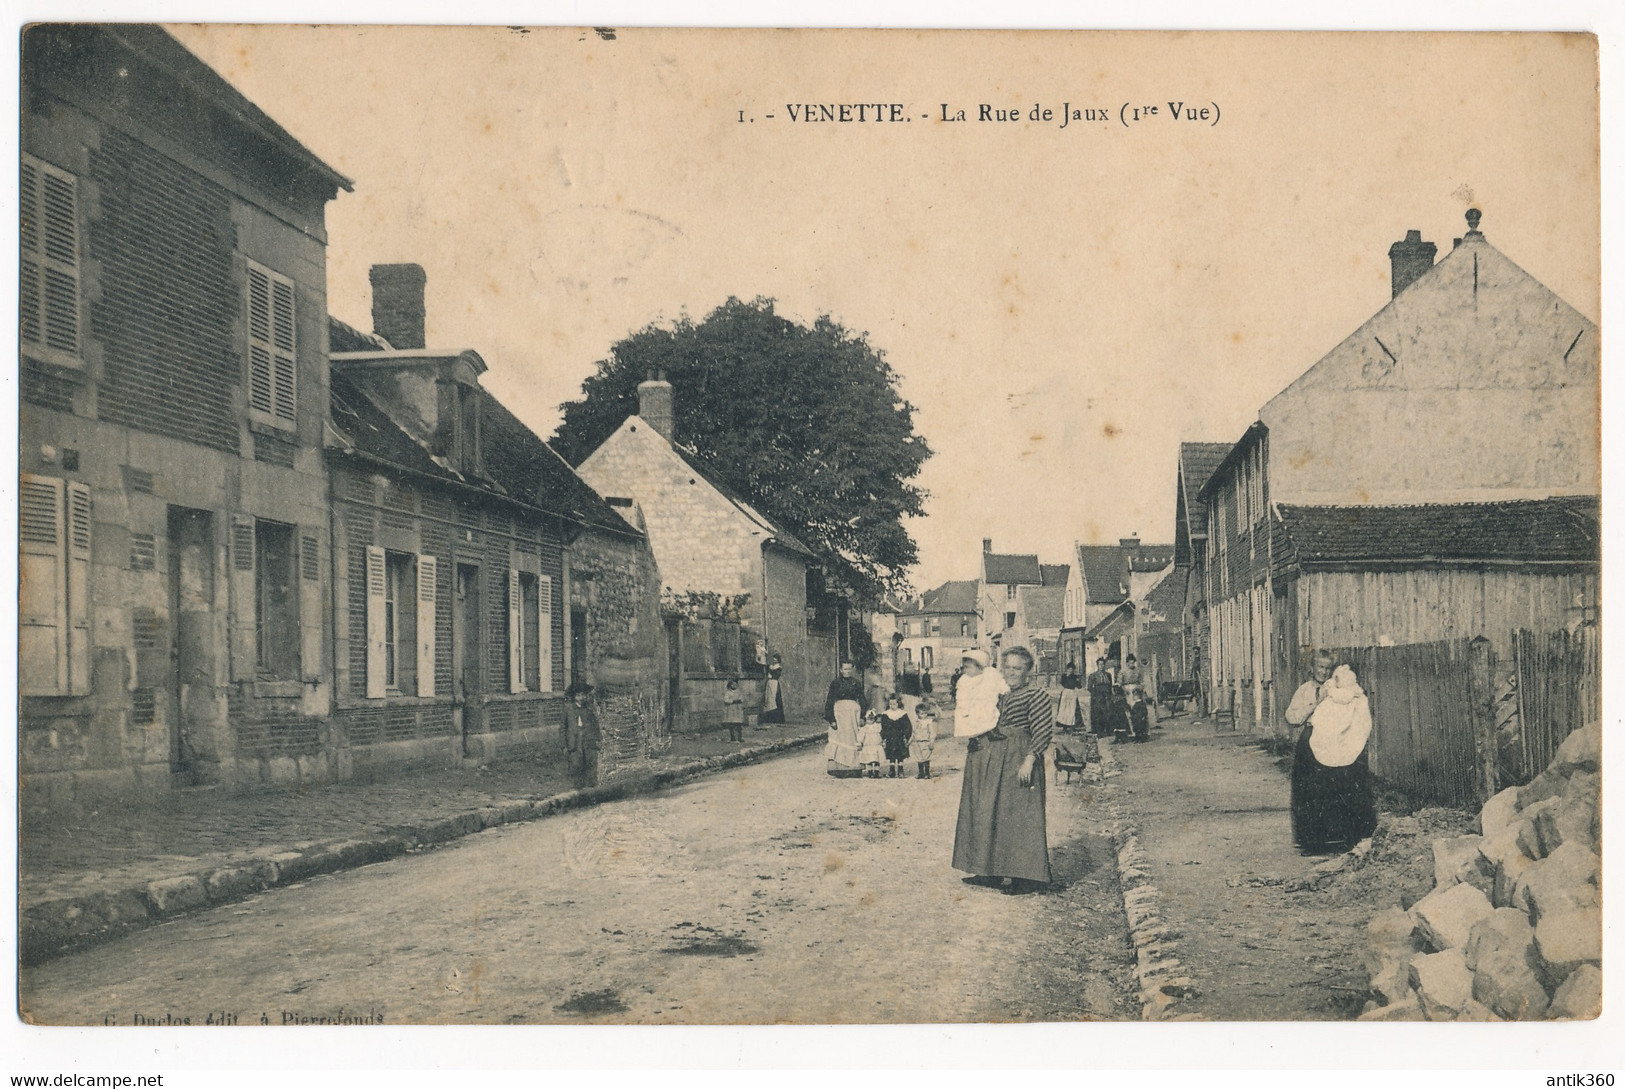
(1558, 530)
(1010, 569)
(1117, 618)
(1167, 598)
(1150, 558)
(344, 337)
(950, 597)
(1043, 606)
(1104, 573)
(1054, 574)
(519, 465)
(1197, 462)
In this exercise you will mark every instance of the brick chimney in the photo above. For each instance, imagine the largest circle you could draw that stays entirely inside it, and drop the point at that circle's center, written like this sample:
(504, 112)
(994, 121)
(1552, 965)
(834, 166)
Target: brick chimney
(987, 544)
(1410, 258)
(397, 304)
(1128, 542)
(655, 404)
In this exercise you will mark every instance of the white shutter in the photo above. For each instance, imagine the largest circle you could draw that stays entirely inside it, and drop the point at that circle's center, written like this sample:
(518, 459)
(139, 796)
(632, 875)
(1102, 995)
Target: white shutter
(426, 624)
(42, 661)
(78, 587)
(544, 632)
(516, 635)
(272, 362)
(375, 623)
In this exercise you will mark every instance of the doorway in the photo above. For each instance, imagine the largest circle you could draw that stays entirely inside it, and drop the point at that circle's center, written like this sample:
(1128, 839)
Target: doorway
(578, 646)
(468, 703)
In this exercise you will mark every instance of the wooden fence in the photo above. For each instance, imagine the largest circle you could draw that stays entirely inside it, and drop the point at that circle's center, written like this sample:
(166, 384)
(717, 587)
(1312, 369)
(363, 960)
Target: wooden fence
(1558, 678)
(1423, 740)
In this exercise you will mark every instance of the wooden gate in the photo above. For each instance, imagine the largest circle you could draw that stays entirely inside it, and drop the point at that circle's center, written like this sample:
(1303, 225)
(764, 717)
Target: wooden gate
(1558, 685)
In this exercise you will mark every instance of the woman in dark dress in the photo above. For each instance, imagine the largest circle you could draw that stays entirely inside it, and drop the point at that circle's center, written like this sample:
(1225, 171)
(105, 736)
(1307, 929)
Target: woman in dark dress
(1001, 839)
(1332, 799)
(773, 694)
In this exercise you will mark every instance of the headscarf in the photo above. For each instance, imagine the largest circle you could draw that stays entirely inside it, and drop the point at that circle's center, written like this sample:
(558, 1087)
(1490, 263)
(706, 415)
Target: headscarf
(1342, 721)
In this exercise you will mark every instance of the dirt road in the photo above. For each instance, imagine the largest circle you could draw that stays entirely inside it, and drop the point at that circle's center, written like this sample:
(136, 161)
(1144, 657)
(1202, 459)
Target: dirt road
(771, 894)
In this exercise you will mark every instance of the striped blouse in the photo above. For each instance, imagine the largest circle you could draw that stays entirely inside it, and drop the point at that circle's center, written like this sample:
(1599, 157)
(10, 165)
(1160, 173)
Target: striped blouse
(1029, 707)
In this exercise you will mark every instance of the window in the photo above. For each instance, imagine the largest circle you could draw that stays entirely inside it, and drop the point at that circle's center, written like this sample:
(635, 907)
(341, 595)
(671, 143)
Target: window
(272, 365)
(1010, 592)
(964, 628)
(400, 622)
(1009, 620)
(926, 658)
(530, 632)
(49, 262)
(276, 618)
(53, 633)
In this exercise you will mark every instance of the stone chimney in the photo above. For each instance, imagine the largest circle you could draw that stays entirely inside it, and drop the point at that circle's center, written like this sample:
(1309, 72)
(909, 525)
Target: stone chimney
(397, 304)
(1128, 542)
(1410, 258)
(655, 404)
(987, 544)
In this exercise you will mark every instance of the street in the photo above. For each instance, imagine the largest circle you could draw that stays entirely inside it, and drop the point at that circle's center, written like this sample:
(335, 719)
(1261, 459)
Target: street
(770, 894)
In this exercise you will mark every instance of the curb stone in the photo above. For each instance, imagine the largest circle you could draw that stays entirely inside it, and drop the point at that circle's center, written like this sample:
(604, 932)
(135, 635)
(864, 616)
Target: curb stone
(56, 927)
(1160, 974)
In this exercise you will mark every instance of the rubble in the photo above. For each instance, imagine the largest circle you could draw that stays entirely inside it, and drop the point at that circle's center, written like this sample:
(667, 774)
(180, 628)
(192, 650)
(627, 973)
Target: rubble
(1511, 927)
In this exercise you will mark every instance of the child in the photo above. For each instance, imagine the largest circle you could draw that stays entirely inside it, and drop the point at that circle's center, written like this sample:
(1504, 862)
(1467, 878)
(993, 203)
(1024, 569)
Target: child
(733, 711)
(895, 730)
(923, 740)
(871, 746)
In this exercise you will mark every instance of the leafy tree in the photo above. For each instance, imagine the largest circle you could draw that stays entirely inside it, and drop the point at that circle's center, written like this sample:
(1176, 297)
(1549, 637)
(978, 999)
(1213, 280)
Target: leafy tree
(805, 422)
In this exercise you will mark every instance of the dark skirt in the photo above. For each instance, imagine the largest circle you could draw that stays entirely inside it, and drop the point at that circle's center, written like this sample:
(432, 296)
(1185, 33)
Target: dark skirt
(1100, 714)
(1330, 805)
(1001, 831)
(894, 741)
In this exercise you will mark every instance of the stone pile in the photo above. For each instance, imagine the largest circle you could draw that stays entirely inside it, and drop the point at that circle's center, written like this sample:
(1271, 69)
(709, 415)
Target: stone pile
(1512, 928)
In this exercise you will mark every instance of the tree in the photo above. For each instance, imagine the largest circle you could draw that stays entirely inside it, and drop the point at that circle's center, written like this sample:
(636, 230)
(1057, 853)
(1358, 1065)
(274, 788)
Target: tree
(806, 422)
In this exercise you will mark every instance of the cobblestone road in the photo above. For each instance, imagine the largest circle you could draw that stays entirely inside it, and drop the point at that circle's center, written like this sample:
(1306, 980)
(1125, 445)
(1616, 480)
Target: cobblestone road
(769, 894)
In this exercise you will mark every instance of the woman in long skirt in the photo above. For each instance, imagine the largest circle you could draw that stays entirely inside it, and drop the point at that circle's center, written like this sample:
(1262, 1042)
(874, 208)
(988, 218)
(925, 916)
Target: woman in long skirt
(1001, 838)
(1332, 798)
(844, 708)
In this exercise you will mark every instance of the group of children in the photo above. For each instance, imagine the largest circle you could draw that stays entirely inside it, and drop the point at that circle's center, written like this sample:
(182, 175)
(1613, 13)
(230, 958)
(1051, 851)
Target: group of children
(893, 737)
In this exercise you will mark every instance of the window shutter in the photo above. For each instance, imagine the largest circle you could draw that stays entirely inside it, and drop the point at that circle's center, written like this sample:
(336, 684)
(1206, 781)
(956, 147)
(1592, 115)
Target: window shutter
(516, 635)
(544, 632)
(272, 362)
(42, 576)
(426, 624)
(259, 339)
(375, 623)
(244, 600)
(284, 366)
(312, 661)
(49, 309)
(78, 587)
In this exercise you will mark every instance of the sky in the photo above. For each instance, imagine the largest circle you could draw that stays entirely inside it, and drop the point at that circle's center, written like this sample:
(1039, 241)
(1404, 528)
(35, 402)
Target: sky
(1064, 306)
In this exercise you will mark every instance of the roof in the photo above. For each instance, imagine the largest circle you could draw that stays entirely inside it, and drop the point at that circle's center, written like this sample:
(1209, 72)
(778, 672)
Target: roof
(1119, 615)
(1011, 570)
(344, 337)
(950, 597)
(1150, 557)
(1054, 574)
(1562, 530)
(1166, 600)
(1043, 606)
(521, 467)
(1197, 461)
(67, 46)
(1234, 454)
(1103, 572)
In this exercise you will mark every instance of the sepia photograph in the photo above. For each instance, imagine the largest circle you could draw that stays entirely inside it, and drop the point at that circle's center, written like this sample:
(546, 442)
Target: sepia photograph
(638, 526)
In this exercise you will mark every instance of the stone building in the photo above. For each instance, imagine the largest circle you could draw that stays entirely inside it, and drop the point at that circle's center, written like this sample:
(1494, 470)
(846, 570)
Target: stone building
(174, 568)
(1099, 613)
(937, 629)
(1020, 603)
(734, 581)
(1433, 476)
(460, 617)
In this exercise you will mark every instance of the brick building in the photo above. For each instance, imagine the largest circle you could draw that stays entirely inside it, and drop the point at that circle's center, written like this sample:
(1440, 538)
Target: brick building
(456, 613)
(738, 580)
(173, 512)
